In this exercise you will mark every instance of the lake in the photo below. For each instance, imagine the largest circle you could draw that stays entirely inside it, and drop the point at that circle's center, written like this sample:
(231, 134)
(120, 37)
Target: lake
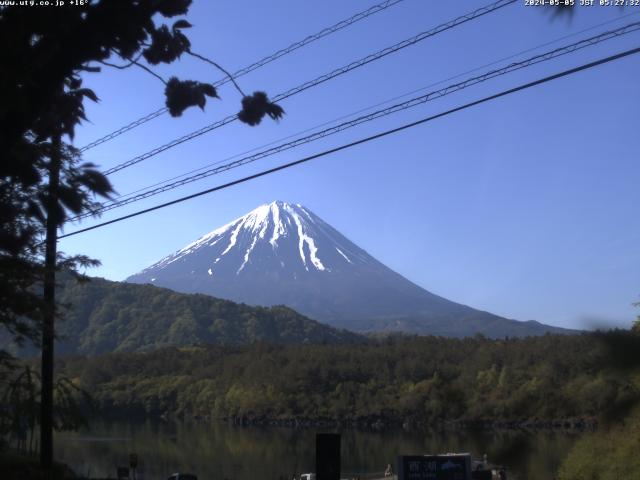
(219, 451)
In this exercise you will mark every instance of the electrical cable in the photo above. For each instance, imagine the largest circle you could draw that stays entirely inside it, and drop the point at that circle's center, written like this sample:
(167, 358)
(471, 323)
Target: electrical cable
(537, 59)
(321, 79)
(260, 63)
(398, 97)
(385, 133)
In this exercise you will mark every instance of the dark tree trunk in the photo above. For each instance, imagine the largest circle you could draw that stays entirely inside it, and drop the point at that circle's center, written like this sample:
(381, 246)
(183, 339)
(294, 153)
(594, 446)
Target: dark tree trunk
(48, 329)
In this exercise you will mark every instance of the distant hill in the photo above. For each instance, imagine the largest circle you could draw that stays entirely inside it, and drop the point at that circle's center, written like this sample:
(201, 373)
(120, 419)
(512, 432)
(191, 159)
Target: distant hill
(104, 316)
(283, 253)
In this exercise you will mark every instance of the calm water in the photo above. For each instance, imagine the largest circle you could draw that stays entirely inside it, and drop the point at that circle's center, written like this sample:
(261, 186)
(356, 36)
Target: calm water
(221, 451)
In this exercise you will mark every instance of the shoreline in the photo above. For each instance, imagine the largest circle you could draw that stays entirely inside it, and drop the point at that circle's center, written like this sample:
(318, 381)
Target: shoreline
(576, 424)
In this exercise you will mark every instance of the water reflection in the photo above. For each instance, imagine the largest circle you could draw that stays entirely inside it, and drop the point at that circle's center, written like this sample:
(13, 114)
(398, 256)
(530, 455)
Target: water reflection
(220, 451)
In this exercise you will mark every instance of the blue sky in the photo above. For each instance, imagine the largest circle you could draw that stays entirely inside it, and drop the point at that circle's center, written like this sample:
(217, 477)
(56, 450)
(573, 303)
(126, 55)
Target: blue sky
(525, 206)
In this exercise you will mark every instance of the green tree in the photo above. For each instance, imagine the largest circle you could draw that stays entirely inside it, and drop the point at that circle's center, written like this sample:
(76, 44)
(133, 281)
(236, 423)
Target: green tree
(42, 177)
(20, 408)
(608, 454)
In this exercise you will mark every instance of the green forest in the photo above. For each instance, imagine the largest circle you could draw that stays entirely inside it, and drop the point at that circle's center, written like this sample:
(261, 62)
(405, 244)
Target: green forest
(419, 380)
(100, 316)
(589, 382)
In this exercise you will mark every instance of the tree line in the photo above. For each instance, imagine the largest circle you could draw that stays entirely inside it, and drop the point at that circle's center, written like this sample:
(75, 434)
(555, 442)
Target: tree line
(421, 380)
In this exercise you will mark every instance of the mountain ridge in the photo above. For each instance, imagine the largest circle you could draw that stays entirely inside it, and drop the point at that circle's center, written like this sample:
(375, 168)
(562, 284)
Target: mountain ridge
(282, 253)
(101, 316)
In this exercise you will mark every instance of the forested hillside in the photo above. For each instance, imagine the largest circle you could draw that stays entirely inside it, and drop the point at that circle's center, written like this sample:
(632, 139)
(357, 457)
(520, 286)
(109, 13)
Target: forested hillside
(395, 380)
(103, 316)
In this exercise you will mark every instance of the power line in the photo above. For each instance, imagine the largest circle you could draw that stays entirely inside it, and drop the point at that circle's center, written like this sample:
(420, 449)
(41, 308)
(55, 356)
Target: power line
(413, 102)
(260, 63)
(366, 139)
(321, 79)
(379, 104)
(126, 128)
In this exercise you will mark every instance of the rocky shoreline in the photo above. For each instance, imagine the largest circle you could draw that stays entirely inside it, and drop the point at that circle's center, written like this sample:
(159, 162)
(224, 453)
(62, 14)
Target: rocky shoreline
(386, 423)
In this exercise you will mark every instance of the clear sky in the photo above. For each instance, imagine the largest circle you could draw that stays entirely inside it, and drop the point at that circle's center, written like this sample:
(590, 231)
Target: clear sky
(526, 206)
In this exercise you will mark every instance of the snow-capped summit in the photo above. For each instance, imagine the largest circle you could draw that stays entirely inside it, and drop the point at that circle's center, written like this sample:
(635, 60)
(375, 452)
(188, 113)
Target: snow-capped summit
(282, 253)
(277, 235)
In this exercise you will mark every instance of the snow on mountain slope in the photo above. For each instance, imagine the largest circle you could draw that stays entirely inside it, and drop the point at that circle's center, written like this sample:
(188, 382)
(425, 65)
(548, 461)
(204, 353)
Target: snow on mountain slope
(279, 235)
(283, 253)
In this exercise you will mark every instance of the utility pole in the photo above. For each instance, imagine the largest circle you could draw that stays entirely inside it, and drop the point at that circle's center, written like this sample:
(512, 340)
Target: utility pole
(48, 328)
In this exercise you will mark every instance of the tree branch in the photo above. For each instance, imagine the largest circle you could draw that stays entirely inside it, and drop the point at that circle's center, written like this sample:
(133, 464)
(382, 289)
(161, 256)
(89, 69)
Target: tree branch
(207, 60)
(134, 61)
(122, 67)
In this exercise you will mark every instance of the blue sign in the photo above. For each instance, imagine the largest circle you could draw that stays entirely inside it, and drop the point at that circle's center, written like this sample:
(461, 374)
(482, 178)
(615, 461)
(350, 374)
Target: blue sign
(434, 467)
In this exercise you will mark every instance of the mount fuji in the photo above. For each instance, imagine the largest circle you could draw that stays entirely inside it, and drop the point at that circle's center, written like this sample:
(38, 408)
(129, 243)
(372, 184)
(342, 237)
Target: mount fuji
(284, 254)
